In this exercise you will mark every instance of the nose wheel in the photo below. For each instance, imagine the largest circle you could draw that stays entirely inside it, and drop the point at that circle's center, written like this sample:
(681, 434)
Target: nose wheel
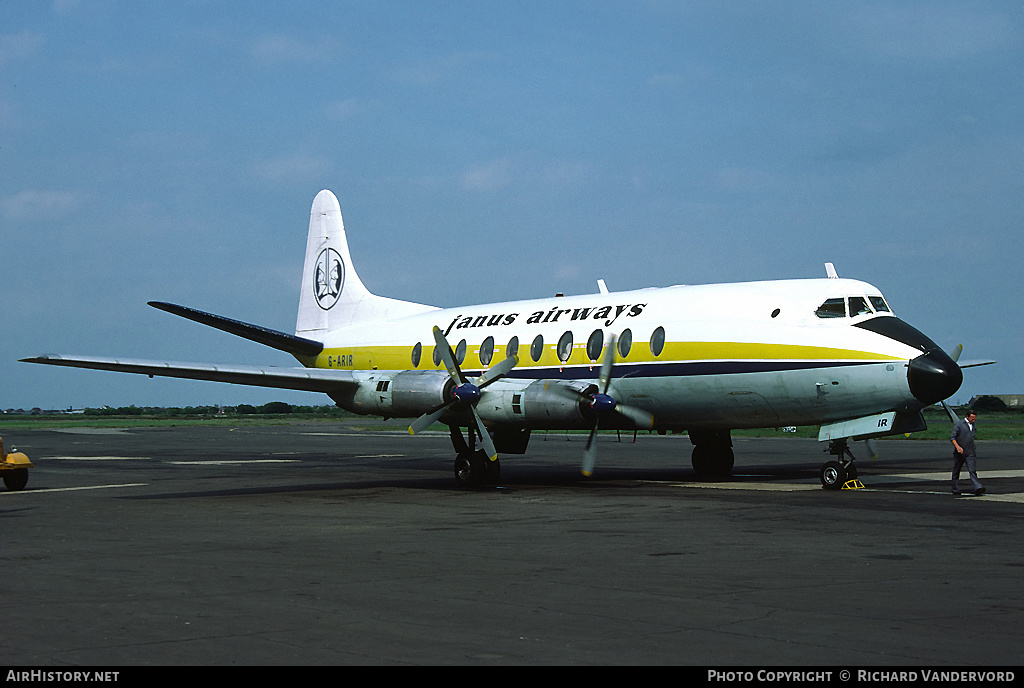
(836, 473)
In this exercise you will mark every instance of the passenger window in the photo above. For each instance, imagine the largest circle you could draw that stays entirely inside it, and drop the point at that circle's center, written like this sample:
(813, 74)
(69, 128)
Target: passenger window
(417, 352)
(537, 348)
(858, 306)
(595, 345)
(564, 346)
(832, 308)
(487, 351)
(879, 303)
(513, 347)
(437, 355)
(460, 352)
(625, 343)
(658, 341)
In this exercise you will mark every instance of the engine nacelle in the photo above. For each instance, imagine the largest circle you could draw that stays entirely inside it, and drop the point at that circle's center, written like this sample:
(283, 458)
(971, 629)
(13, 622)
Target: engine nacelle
(414, 392)
(538, 405)
(545, 408)
(406, 394)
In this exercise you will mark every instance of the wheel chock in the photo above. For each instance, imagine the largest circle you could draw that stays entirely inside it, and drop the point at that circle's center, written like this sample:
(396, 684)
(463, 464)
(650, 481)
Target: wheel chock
(853, 485)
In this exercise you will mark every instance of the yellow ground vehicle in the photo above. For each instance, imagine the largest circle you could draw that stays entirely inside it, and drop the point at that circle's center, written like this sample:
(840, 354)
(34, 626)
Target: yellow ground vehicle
(14, 468)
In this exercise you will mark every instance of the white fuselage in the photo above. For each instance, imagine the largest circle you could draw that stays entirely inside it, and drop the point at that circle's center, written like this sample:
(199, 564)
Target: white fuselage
(737, 355)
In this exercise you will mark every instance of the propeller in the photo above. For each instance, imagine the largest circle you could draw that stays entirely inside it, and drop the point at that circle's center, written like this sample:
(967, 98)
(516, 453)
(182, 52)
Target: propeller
(466, 393)
(602, 405)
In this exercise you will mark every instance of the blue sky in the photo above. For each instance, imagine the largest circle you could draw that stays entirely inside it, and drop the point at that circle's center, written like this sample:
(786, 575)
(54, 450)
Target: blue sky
(486, 151)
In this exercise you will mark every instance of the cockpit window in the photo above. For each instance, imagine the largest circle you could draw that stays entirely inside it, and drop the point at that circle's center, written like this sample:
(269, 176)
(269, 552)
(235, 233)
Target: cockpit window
(832, 308)
(858, 306)
(879, 303)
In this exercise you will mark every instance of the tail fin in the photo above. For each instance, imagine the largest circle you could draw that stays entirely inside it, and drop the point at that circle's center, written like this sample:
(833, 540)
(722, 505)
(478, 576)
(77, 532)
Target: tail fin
(332, 294)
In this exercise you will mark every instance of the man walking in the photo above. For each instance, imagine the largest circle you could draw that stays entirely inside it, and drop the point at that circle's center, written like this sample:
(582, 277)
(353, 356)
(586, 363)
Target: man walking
(963, 452)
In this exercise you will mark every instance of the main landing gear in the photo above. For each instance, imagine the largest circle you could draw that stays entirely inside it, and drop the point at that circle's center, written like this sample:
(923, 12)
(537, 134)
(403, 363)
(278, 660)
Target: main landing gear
(472, 466)
(712, 456)
(836, 473)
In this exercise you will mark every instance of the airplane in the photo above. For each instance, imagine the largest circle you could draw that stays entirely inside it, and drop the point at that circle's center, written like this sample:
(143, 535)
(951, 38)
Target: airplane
(700, 359)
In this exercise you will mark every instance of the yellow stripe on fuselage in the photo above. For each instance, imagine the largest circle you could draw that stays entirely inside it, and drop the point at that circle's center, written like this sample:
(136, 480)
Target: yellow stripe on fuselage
(400, 357)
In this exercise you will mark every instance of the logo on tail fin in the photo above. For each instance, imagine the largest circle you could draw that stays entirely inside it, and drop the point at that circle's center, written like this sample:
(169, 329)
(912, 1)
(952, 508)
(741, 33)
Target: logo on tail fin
(328, 278)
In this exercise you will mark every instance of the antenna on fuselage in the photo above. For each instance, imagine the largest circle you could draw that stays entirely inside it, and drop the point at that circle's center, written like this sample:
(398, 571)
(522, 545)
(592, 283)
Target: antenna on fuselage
(830, 270)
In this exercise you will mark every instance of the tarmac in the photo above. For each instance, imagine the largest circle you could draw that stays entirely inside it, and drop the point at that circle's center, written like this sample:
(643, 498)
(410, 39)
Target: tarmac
(327, 544)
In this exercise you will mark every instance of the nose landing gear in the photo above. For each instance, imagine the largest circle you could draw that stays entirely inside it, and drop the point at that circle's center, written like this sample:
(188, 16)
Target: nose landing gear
(838, 472)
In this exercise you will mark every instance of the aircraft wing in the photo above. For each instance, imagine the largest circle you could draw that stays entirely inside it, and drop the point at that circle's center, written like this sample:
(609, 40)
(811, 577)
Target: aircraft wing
(306, 379)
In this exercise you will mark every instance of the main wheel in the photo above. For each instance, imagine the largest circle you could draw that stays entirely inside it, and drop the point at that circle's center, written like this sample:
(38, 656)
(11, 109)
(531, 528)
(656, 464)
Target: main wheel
(16, 479)
(712, 463)
(833, 475)
(471, 469)
(492, 471)
(463, 470)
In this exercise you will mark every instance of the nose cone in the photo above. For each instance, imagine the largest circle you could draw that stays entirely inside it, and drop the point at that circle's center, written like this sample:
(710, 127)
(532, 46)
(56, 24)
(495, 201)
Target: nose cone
(934, 376)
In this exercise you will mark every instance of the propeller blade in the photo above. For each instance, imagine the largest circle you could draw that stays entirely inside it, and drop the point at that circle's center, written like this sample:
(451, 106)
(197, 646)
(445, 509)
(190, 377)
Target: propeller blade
(428, 419)
(973, 363)
(590, 453)
(485, 437)
(606, 366)
(496, 372)
(447, 358)
(949, 412)
(640, 418)
(566, 392)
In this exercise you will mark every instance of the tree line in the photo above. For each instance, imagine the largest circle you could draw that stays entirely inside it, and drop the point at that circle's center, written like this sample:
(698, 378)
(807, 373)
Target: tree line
(271, 408)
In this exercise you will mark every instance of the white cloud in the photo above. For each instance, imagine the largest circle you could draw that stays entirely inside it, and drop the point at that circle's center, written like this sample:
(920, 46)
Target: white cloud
(279, 48)
(742, 179)
(929, 32)
(291, 168)
(65, 6)
(347, 108)
(527, 170)
(690, 76)
(443, 68)
(18, 46)
(40, 204)
(491, 176)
